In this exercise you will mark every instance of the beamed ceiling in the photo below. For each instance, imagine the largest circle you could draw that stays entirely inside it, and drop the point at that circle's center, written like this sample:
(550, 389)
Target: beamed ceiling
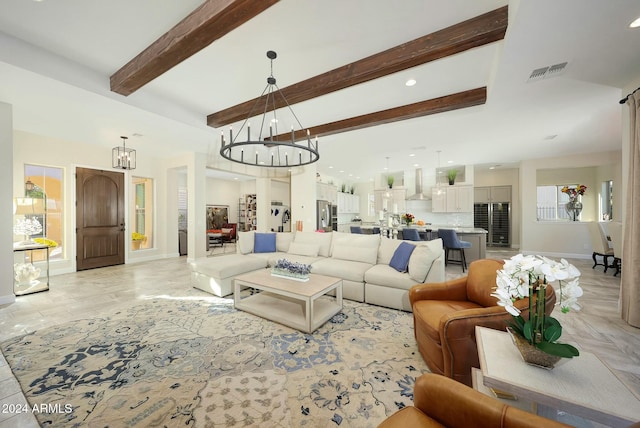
(174, 77)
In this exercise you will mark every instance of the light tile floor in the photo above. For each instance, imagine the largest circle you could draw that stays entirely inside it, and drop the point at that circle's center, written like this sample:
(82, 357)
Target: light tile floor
(597, 328)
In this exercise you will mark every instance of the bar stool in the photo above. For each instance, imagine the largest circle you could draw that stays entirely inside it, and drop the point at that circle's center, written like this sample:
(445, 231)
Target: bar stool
(450, 241)
(411, 234)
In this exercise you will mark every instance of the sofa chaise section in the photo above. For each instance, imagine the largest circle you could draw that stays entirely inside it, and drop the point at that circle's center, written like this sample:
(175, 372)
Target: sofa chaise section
(215, 274)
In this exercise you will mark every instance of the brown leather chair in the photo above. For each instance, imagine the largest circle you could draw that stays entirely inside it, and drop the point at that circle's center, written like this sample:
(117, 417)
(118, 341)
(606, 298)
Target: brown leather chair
(445, 316)
(441, 402)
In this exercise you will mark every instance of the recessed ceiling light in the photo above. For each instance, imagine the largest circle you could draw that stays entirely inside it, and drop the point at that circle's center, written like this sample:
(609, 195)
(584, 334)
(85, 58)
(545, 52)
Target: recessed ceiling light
(450, 161)
(635, 24)
(415, 165)
(342, 170)
(330, 167)
(410, 82)
(412, 155)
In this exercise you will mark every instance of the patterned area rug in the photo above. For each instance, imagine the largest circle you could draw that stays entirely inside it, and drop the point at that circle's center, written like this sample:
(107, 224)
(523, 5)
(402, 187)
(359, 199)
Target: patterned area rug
(193, 363)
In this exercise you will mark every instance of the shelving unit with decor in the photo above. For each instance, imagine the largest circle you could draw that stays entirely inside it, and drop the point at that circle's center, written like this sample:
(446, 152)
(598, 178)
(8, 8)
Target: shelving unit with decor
(247, 219)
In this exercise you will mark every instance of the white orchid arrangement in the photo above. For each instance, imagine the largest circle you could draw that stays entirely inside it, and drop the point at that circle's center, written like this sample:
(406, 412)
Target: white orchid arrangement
(529, 276)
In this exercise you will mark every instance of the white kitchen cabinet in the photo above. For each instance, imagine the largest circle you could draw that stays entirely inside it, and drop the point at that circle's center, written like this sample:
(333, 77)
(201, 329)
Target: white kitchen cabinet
(394, 197)
(327, 192)
(439, 200)
(348, 203)
(452, 199)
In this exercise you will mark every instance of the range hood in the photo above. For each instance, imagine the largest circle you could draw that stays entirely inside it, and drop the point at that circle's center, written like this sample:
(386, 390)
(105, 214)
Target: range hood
(419, 196)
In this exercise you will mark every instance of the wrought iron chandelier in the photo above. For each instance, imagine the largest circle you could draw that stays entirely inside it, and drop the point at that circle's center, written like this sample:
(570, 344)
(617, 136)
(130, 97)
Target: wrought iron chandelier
(123, 158)
(272, 150)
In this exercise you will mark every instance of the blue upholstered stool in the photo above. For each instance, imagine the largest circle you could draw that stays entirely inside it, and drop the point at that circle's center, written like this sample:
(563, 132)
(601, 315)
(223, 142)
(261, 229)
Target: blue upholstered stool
(450, 241)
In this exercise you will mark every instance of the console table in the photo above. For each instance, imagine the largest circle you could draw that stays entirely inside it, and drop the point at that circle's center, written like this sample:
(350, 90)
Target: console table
(35, 285)
(583, 386)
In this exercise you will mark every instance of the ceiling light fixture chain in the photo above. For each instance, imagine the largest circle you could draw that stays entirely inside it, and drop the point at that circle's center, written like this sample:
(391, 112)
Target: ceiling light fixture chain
(269, 151)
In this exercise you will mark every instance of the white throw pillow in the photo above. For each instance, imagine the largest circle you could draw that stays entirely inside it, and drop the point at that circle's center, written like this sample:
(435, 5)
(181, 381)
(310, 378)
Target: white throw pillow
(302, 249)
(422, 259)
(245, 242)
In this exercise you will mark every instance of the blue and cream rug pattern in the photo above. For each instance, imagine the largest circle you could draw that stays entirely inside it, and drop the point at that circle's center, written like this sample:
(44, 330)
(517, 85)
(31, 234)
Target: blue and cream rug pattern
(173, 362)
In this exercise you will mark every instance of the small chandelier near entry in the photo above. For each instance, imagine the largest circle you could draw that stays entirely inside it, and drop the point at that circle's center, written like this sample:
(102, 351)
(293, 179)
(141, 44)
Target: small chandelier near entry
(123, 158)
(272, 150)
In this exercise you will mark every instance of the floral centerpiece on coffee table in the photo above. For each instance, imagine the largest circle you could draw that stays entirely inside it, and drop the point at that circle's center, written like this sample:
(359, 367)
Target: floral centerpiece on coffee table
(408, 218)
(529, 276)
(291, 270)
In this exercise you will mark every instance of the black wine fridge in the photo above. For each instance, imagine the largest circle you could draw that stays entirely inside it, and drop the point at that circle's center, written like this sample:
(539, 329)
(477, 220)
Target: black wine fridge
(494, 217)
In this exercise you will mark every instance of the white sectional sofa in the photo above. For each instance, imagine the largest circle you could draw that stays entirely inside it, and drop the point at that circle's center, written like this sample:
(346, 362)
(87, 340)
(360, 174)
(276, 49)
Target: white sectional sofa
(364, 262)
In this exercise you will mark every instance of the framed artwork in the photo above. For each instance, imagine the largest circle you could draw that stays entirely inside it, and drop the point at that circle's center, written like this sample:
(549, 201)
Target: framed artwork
(217, 215)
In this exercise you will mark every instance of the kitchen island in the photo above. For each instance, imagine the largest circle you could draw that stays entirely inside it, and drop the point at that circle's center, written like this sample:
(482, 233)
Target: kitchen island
(477, 237)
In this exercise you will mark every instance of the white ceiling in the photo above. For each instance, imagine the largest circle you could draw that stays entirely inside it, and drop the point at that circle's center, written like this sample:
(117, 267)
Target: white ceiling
(56, 57)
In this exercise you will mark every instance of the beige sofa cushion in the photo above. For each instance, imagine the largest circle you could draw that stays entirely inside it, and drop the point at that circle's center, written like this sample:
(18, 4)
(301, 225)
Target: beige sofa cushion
(355, 247)
(323, 240)
(302, 249)
(386, 249)
(422, 258)
(283, 240)
(345, 269)
(228, 265)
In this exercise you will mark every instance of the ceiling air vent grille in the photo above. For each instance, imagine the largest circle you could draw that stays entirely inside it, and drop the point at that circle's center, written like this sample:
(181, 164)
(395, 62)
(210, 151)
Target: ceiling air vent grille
(547, 72)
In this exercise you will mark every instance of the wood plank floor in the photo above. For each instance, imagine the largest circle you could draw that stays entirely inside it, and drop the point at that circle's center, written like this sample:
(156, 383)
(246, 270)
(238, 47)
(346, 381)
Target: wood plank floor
(597, 328)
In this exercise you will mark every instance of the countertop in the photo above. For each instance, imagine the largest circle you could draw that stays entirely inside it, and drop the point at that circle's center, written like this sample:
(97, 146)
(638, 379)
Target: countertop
(434, 228)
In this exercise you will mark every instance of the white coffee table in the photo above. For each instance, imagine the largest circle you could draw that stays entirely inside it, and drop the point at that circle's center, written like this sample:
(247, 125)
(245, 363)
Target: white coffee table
(300, 305)
(583, 386)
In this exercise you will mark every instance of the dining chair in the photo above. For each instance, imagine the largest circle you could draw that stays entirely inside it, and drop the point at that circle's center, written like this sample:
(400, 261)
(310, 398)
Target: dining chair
(450, 242)
(615, 232)
(376, 230)
(411, 234)
(600, 246)
(356, 229)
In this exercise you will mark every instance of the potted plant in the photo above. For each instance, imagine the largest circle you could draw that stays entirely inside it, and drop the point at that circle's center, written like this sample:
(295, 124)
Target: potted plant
(136, 240)
(451, 175)
(529, 276)
(390, 180)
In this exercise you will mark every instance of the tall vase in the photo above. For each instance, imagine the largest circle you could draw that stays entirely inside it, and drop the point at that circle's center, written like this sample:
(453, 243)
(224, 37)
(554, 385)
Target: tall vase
(573, 209)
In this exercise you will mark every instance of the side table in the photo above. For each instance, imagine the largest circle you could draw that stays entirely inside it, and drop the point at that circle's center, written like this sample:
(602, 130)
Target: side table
(582, 386)
(36, 284)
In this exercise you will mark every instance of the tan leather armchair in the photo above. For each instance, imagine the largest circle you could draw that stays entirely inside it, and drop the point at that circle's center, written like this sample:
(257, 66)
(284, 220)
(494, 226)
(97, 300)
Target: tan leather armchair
(442, 402)
(445, 316)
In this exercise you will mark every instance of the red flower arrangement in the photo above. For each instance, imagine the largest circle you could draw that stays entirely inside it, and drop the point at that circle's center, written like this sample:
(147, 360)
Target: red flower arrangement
(408, 218)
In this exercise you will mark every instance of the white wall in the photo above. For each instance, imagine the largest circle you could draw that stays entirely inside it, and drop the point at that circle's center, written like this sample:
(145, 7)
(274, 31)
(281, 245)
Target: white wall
(6, 212)
(560, 239)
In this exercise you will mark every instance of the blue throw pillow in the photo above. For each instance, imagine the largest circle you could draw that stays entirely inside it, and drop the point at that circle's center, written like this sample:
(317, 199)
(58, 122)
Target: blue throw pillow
(264, 243)
(400, 259)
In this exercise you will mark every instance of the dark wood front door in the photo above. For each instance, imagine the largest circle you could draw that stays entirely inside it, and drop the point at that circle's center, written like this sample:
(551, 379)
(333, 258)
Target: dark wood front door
(99, 218)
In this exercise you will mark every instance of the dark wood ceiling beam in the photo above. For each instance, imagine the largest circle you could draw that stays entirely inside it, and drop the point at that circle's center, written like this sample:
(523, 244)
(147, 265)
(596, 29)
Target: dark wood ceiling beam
(212, 20)
(481, 30)
(470, 98)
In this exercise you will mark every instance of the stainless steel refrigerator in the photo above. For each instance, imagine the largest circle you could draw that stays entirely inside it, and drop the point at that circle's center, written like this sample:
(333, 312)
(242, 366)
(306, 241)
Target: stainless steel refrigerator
(494, 217)
(324, 219)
